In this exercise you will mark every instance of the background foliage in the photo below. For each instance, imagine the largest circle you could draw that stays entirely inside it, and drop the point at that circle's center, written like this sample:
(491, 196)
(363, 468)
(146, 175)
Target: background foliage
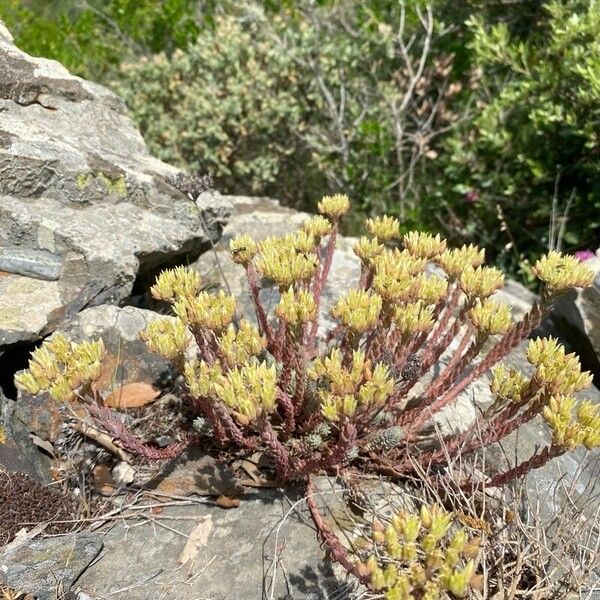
(477, 119)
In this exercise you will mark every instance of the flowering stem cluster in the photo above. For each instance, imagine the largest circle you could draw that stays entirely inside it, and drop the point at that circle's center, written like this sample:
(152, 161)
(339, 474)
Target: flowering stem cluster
(418, 556)
(365, 394)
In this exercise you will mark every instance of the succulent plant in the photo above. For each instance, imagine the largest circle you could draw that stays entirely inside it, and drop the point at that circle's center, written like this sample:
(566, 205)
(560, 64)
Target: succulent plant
(312, 406)
(274, 384)
(419, 556)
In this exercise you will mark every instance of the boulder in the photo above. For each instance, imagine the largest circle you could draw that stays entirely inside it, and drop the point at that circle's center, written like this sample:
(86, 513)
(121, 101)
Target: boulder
(266, 548)
(46, 568)
(18, 453)
(84, 208)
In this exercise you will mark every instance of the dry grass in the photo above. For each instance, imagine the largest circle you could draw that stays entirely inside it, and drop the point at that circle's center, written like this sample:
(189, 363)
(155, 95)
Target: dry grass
(7, 593)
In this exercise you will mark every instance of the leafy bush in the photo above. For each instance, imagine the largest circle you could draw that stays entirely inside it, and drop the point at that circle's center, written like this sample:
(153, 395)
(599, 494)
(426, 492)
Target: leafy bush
(319, 95)
(534, 138)
(230, 102)
(92, 38)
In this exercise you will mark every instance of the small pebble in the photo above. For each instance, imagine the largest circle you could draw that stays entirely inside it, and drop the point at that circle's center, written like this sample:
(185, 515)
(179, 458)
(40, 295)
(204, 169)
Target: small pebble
(123, 473)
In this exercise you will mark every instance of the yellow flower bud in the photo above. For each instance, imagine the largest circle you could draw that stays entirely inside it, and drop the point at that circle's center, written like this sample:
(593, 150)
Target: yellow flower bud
(455, 261)
(166, 337)
(317, 226)
(348, 405)
(431, 591)
(412, 528)
(371, 564)
(62, 391)
(559, 372)
(424, 245)
(173, 284)
(481, 282)
(329, 409)
(377, 579)
(207, 311)
(377, 389)
(59, 346)
(248, 391)
(431, 289)
(284, 265)
(508, 384)
(237, 347)
(334, 206)
(367, 249)
(491, 317)
(303, 242)
(573, 428)
(296, 307)
(413, 317)
(383, 228)
(26, 382)
(588, 414)
(243, 249)
(457, 581)
(426, 516)
(60, 367)
(390, 575)
(560, 272)
(358, 310)
(201, 377)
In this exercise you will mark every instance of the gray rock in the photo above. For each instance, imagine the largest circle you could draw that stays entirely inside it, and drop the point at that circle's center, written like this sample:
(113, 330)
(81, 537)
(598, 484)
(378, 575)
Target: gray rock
(40, 264)
(267, 542)
(45, 567)
(195, 472)
(18, 453)
(77, 183)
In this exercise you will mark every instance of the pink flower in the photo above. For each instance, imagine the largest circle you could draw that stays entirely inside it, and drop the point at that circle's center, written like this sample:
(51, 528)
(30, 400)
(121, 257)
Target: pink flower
(472, 195)
(583, 255)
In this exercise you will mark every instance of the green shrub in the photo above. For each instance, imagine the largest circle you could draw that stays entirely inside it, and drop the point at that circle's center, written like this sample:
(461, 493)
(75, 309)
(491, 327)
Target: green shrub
(92, 38)
(263, 99)
(228, 104)
(524, 174)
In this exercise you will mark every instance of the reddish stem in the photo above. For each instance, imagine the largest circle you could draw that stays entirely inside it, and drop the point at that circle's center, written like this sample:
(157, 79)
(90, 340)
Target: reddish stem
(329, 539)
(509, 341)
(277, 452)
(535, 462)
(289, 413)
(319, 284)
(261, 315)
(444, 319)
(233, 431)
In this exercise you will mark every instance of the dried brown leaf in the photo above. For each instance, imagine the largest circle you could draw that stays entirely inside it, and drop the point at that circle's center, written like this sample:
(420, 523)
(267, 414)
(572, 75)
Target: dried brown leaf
(197, 538)
(227, 502)
(132, 395)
